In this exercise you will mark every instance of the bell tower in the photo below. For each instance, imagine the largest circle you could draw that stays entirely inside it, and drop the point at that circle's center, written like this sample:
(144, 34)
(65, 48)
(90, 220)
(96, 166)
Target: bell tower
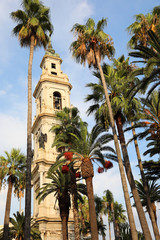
(51, 94)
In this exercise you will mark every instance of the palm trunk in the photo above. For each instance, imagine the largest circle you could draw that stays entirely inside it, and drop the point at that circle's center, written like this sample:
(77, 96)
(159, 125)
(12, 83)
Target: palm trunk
(120, 162)
(64, 203)
(114, 223)
(131, 181)
(29, 147)
(87, 174)
(109, 226)
(149, 204)
(64, 227)
(8, 207)
(154, 210)
(75, 205)
(117, 231)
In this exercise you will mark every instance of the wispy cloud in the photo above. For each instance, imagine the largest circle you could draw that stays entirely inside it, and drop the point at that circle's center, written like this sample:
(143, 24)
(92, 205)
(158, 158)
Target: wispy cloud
(13, 133)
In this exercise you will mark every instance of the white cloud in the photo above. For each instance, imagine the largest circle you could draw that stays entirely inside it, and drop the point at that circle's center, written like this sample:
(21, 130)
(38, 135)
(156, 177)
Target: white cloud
(2, 92)
(13, 133)
(82, 11)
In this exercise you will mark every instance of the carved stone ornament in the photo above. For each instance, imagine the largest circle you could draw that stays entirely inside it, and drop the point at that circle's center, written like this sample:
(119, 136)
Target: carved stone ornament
(42, 139)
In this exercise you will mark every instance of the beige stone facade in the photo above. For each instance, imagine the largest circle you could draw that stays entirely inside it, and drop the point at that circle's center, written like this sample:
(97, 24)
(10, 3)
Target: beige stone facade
(51, 94)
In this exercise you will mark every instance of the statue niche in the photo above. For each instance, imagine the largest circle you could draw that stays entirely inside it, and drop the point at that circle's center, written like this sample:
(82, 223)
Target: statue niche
(42, 139)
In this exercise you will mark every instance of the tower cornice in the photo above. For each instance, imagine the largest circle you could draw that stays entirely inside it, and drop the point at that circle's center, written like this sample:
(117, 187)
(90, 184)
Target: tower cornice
(51, 80)
(40, 116)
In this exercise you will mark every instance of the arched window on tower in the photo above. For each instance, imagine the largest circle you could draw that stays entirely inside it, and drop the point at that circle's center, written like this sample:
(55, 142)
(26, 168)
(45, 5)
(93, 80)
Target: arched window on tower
(57, 102)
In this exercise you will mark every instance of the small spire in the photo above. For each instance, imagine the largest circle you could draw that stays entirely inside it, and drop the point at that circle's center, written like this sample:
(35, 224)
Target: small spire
(50, 50)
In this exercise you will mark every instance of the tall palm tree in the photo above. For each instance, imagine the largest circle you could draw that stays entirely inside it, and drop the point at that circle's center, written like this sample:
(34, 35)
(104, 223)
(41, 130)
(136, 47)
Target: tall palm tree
(154, 192)
(88, 148)
(60, 185)
(65, 131)
(124, 110)
(92, 45)
(12, 166)
(32, 28)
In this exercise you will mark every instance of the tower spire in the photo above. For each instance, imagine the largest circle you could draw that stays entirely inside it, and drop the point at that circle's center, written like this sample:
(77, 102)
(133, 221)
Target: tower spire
(50, 51)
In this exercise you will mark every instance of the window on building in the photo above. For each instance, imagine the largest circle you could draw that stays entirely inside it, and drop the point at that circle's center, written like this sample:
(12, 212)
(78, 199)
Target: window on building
(53, 65)
(57, 102)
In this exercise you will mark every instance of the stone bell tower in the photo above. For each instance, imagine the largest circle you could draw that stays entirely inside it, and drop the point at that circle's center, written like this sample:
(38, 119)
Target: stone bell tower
(52, 94)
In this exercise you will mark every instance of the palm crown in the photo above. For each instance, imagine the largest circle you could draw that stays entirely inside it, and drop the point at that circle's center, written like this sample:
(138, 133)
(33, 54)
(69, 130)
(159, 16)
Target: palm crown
(91, 42)
(33, 21)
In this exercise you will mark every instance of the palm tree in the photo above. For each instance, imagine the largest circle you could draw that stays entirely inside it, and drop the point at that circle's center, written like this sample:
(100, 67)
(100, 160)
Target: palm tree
(87, 148)
(154, 192)
(126, 232)
(65, 130)
(72, 134)
(150, 57)
(16, 231)
(119, 217)
(150, 123)
(124, 110)
(99, 206)
(60, 185)
(143, 23)
(12, 167)
(19, 189)
(93, 44)
(109, 199)
(32, 28)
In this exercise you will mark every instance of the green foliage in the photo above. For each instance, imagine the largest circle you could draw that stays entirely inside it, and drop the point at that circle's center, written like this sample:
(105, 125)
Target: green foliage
(59, 184)
(126, 232)
(33, 21)
(12, 165)
(118, 82)
(92, 42)
(152, 169)
(16, 230)
(150, 57)
(149, 124)
(154, 192)
(143, 23)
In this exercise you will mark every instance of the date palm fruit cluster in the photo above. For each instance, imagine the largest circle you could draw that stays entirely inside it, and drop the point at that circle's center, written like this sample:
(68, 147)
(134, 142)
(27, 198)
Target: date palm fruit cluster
(65, 168)
(107, 165)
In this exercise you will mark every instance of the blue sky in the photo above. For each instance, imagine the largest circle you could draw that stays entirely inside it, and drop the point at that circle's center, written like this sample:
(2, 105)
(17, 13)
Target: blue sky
(14, 67)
